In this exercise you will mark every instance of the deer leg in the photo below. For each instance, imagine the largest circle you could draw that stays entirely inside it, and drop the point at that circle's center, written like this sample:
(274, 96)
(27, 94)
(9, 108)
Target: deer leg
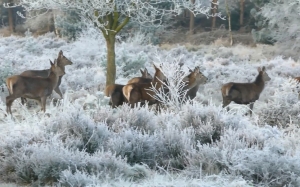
(251, 108)
(57, 90)
(225, 103)
(43, 103)
(9, 100)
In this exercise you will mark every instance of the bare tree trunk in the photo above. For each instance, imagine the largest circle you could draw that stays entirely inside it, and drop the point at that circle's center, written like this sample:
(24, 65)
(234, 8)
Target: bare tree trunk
(214, 12)
(11, 18)
(192, 21)
(56, 29)
(111, 65)
(50, 25)
(242, 7)
(229, 22)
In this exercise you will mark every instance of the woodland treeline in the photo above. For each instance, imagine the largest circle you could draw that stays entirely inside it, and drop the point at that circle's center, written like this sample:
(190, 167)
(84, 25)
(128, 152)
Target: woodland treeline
(239, 15)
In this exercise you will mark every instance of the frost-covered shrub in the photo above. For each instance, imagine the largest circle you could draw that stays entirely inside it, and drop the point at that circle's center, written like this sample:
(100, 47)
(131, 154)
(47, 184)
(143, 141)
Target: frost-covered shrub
(166, 147)
(5, 72)
(139, 118)
(39, 164)
(205, 160)
(283, 106)
(80, 131)
(209, 121)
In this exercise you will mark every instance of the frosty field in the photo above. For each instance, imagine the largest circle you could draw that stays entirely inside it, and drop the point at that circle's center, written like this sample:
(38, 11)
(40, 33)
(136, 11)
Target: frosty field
(83, 142)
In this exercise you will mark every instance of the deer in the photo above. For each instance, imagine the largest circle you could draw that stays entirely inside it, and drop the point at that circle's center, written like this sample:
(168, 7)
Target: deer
(145, 78)
(245, 93)
(38, 88)
(114, 91)
(191, 84)
(195, 79)
(140, 92)
(62, 61)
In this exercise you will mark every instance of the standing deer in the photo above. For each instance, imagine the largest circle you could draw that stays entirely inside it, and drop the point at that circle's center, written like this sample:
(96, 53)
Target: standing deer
(115, 92)
(62, 61)
(37, 88)
(195, 79)
(245, 93)
(139, 92)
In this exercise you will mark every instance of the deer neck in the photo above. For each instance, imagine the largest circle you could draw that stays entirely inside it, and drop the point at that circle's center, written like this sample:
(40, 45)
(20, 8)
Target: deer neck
(53, 79)
(259, 81)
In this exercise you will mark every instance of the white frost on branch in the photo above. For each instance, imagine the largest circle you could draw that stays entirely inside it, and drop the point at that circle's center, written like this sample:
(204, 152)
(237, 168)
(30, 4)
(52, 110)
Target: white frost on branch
(142, 11)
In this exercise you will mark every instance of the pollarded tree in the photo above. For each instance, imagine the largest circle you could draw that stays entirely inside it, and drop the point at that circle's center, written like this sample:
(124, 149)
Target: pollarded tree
(110, 16)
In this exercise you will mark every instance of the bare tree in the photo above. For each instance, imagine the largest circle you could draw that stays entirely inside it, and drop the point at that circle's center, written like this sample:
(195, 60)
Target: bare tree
(214, 9)
(242, 7)
(110, 16)
(192, 20)
(11, 23)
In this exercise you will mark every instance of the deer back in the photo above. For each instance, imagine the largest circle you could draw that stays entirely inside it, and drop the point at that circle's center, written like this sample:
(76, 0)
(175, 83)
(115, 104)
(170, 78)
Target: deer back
(145, 78)
(34, 87)
(136, 92)
(61, 60)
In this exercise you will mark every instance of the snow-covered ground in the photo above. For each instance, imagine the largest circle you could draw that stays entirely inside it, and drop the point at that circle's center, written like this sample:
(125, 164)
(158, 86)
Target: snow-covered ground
(83, 142)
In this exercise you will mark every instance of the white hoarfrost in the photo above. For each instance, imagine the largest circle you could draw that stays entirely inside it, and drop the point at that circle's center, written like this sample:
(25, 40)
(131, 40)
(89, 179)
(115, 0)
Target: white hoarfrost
(83, 142)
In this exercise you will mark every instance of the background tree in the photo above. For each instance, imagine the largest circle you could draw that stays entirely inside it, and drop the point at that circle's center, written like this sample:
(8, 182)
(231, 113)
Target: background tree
(242, 8)
(110, 17)
(281, 20)
(214, 10)
(192, 20)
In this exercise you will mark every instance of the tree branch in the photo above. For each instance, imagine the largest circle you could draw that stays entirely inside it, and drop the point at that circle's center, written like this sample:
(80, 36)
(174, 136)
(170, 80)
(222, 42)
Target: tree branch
(125, 21)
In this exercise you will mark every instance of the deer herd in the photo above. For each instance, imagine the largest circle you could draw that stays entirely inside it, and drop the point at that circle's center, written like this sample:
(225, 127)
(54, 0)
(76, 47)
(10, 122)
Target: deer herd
(39, 84)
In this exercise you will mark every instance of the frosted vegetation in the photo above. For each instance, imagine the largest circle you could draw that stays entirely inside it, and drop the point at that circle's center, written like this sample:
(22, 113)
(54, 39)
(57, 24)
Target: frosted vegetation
(83, 142)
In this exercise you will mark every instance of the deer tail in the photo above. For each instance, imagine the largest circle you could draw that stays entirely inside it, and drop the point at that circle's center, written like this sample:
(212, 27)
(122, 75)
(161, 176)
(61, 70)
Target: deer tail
(127, 91)
(226, 89)
(10, 83)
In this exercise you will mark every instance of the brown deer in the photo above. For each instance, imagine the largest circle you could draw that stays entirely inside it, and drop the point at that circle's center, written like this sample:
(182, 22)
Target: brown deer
(115, 92)
(62, 61)
(145, 78)
(245, 93)
(195, 79)
(37, 88)
(139, 92)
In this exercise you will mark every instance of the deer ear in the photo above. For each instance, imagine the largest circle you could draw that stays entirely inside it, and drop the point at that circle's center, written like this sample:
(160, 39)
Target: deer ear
(258, 69)
(197, 69)
(60, 52)
(145, 70)
(263, 68)
(141, 71)
(51, 63)
(155, 66)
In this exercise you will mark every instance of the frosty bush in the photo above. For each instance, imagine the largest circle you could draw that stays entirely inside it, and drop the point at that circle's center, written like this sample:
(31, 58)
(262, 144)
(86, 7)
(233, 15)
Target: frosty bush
(81, 132)
(40, 166)
(5, 72)
(283, 105)
(165, 147)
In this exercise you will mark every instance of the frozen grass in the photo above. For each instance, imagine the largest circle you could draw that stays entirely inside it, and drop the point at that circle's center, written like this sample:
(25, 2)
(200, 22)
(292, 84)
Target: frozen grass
(83, 142)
